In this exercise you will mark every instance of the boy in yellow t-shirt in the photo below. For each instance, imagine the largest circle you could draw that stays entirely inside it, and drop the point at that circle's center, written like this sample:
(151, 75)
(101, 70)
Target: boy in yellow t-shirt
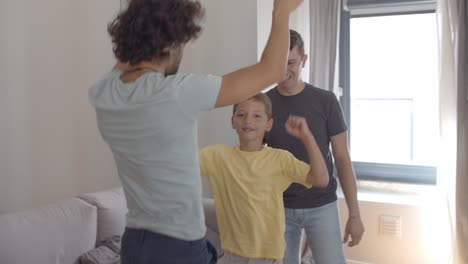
(248, 182)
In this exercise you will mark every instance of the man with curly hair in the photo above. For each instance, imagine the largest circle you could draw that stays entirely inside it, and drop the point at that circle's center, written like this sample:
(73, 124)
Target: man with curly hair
(147, 113)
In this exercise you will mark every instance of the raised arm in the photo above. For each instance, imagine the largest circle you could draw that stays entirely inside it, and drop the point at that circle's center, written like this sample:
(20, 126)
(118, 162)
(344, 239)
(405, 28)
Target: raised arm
(318, 174)
(244, 83)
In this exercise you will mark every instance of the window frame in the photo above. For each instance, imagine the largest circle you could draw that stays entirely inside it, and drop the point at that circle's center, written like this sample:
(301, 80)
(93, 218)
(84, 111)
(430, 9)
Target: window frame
(372, 171)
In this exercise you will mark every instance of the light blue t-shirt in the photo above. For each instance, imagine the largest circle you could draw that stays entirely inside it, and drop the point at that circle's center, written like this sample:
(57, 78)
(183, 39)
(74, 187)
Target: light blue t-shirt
(151, 128)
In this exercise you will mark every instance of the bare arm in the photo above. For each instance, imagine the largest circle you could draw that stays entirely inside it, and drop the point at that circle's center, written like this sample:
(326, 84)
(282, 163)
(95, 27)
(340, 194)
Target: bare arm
(318, 173)
(244, 83)
(347, 178)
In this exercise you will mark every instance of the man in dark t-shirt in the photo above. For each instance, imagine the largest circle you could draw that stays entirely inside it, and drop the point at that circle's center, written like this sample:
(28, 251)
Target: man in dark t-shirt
(314, 209)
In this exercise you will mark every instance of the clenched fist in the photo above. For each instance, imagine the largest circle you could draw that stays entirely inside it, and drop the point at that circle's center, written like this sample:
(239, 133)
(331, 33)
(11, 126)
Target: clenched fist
(297, 127)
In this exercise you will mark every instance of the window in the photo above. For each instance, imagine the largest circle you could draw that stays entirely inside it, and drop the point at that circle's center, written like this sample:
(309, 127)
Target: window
(389, 75)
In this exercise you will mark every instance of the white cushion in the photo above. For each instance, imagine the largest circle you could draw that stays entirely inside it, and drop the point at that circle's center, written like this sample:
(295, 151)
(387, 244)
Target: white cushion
(112, 209)
(57, 233)
(210, 214)
(212, 232)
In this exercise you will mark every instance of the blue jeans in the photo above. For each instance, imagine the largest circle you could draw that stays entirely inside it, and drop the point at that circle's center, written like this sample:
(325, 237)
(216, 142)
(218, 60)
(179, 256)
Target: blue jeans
(145, 247)
(322, 227)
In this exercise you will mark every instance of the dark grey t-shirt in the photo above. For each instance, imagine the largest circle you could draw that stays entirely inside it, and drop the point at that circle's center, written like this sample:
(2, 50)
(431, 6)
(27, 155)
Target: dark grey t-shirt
(325, 119)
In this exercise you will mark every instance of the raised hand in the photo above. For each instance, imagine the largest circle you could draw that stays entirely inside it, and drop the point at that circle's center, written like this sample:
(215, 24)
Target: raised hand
(297, 127)
(287, 5)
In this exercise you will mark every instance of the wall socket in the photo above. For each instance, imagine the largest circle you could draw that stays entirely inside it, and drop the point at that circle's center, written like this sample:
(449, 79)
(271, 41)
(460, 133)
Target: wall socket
(390, 225)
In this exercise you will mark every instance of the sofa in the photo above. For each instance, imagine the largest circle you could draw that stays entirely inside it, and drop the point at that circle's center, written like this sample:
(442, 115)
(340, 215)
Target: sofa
(62, 232)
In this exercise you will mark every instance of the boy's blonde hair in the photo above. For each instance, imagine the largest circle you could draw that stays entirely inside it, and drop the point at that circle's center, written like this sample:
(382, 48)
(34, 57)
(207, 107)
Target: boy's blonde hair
(262, 98)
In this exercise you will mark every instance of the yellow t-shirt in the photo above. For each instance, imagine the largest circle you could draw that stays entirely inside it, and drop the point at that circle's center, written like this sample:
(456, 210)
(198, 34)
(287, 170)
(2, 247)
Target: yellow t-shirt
(248, 192)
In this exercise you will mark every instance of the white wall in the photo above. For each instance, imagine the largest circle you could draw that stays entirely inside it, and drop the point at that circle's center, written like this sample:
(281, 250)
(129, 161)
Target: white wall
(425, 233)
(51, 52)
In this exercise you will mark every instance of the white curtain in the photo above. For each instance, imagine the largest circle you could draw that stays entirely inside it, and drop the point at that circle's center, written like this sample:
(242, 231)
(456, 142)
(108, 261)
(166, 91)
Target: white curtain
(324, 43)
(453, 170)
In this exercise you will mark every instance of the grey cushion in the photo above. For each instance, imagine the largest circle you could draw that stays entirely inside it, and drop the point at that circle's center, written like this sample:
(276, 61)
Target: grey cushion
(210, 214)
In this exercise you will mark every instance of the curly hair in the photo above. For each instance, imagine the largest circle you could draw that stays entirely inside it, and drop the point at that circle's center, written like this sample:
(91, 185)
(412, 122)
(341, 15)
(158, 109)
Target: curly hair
(147, 27)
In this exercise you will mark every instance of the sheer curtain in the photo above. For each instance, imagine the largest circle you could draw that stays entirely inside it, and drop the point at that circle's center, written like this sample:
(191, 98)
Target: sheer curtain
(453, 170)
(324, 39)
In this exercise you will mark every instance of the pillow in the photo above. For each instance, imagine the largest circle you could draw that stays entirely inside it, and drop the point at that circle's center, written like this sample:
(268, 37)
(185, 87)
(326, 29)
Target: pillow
(210, 214)
(111, 211)
(55, 233)
(212, 232)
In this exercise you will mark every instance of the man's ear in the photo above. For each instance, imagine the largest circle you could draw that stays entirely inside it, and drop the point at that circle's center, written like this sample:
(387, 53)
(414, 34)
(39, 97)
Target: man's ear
(270, 125)
(172, 47)
(304, 60)
(168, 50)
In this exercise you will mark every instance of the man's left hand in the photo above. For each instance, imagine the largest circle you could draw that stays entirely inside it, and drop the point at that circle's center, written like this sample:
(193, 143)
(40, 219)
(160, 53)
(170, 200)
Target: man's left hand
(354, 231)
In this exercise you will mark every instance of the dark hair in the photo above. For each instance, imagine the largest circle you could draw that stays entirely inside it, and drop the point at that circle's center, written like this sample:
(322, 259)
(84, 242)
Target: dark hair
(295, 40)
(143, 30)
(262, 98)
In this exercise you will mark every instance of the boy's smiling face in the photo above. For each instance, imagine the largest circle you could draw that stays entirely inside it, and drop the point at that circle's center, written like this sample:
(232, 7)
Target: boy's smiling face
(250, 120)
